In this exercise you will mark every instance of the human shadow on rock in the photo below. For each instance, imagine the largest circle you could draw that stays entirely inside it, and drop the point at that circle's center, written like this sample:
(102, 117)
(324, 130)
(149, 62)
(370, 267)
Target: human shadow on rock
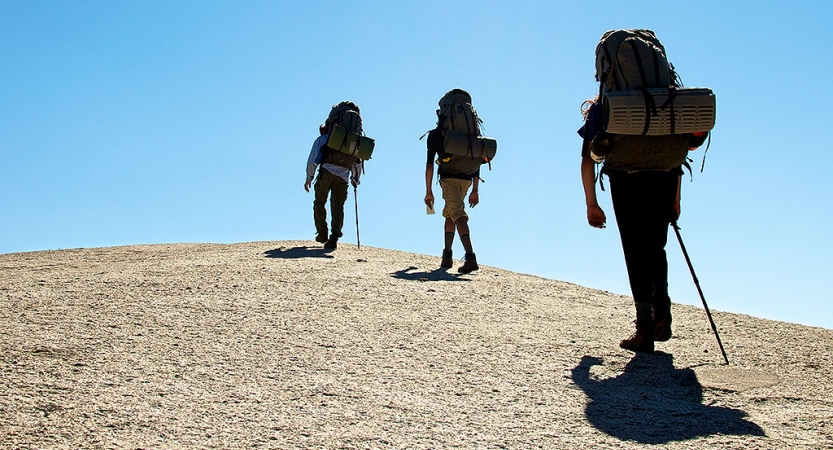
(299, 252)
(440, 274)
(652, 402)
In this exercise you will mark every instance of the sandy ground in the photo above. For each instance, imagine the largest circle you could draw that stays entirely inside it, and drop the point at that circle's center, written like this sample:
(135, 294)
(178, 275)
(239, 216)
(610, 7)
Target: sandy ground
(285, 345)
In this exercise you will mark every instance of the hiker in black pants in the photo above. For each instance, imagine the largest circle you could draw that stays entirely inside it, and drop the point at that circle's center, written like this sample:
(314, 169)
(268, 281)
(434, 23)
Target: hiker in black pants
(643, 154)
(645, 203)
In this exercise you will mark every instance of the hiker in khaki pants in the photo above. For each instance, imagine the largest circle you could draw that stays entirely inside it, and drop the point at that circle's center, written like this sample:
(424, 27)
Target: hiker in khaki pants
(336, 170)
(460, 149)
(454, 188)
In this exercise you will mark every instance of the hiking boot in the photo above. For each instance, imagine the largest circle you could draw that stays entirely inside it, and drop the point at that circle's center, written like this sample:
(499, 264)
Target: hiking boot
(642, 341)
(447, 261)
(331, 243)
(470, 265)
(662, 321)
(321, 238)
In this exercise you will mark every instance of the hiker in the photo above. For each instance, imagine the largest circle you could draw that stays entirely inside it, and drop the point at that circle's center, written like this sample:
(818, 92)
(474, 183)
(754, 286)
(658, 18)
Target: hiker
(644, 203)
(459, 170)
(644, 173)
(336, 170)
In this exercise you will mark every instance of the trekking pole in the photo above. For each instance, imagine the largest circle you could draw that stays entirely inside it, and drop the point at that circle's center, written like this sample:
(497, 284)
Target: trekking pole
(356, 202)
(697, 283)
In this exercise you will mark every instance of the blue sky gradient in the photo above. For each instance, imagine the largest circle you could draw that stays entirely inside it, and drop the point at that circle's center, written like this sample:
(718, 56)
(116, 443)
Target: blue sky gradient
(191, 121)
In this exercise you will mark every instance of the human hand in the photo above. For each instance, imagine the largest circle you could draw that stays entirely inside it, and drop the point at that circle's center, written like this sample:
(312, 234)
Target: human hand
(429, 199)
(307, 184)
(596, 216)
(474, 199)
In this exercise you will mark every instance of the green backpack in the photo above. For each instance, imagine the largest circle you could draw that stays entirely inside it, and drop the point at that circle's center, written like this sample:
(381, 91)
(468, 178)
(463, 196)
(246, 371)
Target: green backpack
(346, 143)
(647, 116)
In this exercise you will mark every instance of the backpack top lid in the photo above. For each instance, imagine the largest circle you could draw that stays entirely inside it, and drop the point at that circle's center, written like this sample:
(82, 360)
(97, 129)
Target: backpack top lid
(453, 96)
(345, 104)
(347, 115)
(456, 113)
(642, 47)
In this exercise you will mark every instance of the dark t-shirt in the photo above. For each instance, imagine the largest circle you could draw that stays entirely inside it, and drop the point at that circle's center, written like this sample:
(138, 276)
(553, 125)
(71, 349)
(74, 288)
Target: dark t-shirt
(590, 128)
(435, 143)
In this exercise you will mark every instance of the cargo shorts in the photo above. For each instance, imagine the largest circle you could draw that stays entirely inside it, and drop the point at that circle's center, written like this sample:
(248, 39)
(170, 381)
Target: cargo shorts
(454, 195)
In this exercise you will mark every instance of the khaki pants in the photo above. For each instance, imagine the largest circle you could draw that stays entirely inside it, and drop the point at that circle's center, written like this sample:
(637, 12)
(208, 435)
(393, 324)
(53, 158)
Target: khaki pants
(454, 195)
(325, 184)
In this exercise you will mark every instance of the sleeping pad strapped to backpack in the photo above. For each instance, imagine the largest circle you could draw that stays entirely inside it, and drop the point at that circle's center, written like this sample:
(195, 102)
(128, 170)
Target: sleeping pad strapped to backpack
(647, 116)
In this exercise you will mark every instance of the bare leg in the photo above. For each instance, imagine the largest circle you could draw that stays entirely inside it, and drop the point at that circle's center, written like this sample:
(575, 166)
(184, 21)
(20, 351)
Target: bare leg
(463, 230)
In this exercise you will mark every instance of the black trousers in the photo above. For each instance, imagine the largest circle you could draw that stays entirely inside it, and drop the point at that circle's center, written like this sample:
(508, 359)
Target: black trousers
(644, 207)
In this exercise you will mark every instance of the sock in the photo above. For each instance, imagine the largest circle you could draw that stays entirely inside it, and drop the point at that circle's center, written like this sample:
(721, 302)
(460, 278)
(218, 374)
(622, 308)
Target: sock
(466, 240)
(449, 239)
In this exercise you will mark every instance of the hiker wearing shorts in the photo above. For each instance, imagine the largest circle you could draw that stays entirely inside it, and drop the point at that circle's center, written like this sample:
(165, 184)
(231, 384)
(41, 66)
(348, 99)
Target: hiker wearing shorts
(335, 170)
(454, 188)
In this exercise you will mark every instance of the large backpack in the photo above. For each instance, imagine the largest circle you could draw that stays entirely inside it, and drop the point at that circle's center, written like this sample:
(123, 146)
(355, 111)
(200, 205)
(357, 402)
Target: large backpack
(647, 116)
(632, 59)
(347, 115)
(457, 115)
(346, 143)
(465, 149)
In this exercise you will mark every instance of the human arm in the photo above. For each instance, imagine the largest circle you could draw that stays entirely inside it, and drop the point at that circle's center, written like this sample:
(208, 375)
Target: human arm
(434, 144)
(474, 197)
(356, 172)
(429, 193)
(595, 215)
(314, 159)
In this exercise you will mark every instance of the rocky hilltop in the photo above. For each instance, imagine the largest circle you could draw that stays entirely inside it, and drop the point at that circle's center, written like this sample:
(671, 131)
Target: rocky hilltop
(285, 345)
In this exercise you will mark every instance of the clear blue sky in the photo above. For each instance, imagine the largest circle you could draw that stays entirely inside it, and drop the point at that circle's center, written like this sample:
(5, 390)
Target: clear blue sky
(190, 121)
